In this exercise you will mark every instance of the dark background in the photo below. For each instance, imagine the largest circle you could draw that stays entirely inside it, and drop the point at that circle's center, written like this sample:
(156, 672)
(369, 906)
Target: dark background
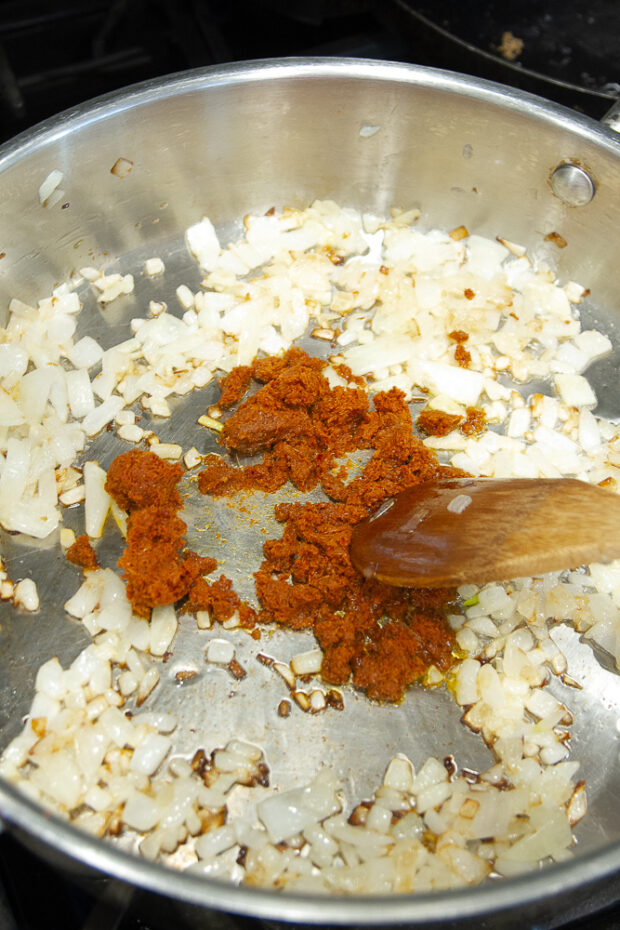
(58, 53)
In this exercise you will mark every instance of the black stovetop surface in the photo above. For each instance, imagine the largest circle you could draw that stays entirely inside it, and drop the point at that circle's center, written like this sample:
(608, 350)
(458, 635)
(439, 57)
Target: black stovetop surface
(55, 55)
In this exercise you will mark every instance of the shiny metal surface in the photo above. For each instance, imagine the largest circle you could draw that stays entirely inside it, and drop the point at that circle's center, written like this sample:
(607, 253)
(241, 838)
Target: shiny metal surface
(573, 185)
(243, 138)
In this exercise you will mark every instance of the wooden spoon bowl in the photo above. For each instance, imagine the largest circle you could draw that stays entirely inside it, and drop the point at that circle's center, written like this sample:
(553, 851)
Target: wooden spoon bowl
(476, 530)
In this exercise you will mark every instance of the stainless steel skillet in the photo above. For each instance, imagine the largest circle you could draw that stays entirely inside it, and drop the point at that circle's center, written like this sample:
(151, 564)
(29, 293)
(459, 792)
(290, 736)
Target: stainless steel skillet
(247, 137)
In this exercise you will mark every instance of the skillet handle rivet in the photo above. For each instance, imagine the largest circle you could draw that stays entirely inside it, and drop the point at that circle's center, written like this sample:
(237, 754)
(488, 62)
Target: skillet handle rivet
(573, 185)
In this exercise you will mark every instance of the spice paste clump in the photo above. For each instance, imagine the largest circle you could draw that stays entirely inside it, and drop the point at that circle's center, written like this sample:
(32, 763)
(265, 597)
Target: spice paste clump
(81, 553)
(380, 637)
(156, 565)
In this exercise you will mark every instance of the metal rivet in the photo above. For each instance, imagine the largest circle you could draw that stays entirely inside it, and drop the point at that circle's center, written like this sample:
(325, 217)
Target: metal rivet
(573, 185)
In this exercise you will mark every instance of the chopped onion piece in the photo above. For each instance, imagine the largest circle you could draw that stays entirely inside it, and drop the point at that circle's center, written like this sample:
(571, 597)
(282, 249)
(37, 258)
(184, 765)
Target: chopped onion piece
(49, 185)
(220, 652)
(97, 500)
(25, 595)
(154, 266)
(163, 627)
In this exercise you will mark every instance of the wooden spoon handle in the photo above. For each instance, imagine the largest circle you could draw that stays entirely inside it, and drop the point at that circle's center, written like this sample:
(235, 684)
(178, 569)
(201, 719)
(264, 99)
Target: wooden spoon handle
(507, 529)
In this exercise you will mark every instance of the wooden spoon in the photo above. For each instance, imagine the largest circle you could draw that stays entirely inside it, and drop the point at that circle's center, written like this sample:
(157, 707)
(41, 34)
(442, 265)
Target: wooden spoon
(476, 530)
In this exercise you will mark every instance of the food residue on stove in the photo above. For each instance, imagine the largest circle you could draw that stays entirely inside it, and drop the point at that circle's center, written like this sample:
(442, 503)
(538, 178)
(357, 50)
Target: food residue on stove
(510, 47)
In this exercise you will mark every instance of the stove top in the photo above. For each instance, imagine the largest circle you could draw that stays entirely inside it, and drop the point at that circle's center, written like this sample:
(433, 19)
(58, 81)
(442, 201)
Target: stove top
(53, 56)
(56, 55)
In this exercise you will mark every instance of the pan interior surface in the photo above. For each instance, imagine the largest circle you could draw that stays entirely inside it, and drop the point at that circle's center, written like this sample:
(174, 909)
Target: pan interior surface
(241, 139)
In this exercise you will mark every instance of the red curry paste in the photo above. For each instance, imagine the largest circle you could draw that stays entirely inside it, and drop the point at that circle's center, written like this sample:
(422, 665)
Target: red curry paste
(461, 356)
(437, 422)
(82, 553)
(156, 568)
(383, 638)
(475, 421)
